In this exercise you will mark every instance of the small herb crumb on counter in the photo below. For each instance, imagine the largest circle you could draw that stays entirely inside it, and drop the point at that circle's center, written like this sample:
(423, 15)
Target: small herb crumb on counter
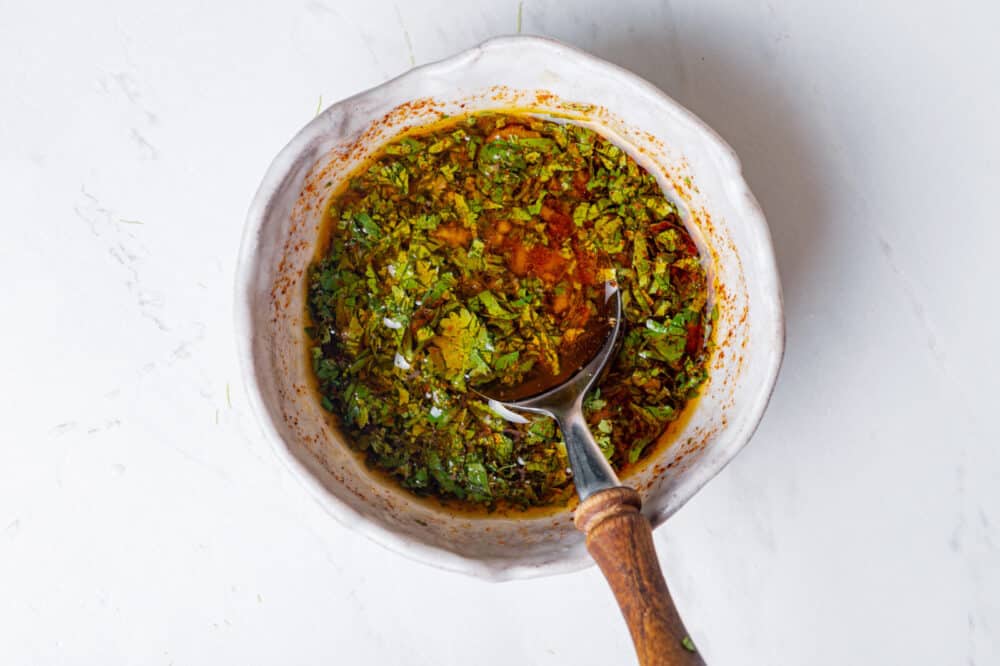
(475, 253)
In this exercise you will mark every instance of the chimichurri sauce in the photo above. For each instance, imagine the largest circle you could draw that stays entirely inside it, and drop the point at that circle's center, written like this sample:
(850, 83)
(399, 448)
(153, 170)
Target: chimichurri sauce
(475, 253)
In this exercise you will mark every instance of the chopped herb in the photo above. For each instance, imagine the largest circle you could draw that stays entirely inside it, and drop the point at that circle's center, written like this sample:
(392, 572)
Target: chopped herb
(505, 361)
(475, 254)
(367, 225)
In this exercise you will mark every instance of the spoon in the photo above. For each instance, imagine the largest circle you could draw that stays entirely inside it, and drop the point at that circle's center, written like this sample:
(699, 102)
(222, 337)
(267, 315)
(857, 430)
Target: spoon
(619, 538)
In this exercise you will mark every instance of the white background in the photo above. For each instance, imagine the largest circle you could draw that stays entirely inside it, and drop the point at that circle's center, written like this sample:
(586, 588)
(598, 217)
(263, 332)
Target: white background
(143, 519)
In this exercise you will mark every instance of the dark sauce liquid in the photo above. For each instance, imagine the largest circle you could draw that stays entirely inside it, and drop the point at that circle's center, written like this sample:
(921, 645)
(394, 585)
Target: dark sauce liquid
(573, 358)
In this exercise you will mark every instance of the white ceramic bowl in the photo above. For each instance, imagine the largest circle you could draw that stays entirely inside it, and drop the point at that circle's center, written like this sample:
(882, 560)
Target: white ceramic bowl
(696, 168)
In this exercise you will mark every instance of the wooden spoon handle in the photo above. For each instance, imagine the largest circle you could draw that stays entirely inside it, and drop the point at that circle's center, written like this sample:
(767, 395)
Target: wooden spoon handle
(620, 540)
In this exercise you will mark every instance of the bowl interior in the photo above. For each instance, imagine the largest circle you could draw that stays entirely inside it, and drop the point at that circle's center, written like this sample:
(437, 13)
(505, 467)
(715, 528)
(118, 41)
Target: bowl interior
(534, 75)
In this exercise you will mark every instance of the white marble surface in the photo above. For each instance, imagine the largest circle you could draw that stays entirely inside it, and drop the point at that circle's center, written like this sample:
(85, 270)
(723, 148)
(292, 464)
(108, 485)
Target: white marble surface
(143, 520)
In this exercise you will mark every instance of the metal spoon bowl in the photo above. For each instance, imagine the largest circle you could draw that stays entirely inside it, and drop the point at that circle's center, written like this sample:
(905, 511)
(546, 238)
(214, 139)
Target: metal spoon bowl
(564, 403)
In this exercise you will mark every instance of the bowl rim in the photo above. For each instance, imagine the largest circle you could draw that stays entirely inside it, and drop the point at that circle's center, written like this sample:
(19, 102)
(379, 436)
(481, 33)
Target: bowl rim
(244, 326)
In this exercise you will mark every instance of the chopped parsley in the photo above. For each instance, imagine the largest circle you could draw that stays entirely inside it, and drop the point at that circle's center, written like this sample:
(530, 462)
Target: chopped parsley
(474, 254)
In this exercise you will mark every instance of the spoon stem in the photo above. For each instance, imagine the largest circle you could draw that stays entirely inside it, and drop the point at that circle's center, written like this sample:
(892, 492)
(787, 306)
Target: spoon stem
(591, 470)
